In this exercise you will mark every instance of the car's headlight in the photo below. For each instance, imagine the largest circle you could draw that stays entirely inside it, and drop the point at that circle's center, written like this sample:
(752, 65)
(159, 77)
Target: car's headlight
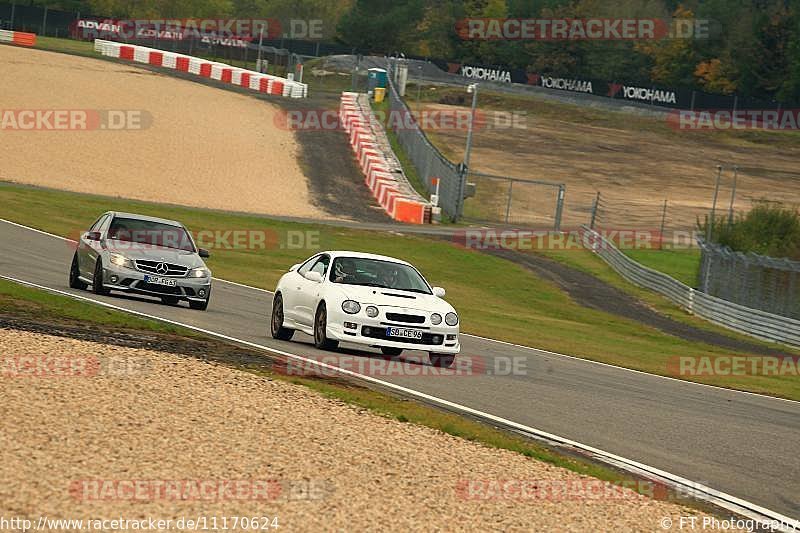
(200, 272)
(351, 307)
(372, 311)
(436, 319)
(120, 260)
(451, 319)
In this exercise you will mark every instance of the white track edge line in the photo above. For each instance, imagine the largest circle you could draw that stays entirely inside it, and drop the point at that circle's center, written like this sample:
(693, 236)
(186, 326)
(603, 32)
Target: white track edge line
(726, 499)
(548, 352)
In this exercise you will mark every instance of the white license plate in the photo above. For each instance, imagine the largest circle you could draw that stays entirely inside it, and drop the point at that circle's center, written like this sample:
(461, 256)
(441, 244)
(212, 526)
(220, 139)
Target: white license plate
(158, 280)
(404, 333)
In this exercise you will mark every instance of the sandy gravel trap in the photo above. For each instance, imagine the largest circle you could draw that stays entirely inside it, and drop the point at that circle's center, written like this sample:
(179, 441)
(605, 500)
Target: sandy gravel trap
(92, 431)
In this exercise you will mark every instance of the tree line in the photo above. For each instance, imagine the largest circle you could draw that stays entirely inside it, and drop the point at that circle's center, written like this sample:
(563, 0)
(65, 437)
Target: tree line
(752, 49)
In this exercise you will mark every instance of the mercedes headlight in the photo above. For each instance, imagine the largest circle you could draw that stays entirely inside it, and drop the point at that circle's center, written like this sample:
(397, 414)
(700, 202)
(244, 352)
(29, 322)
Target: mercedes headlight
(200, 272)
(120, 260)
(436, 319)
(372, 311)
(351, 307)
(451, 319)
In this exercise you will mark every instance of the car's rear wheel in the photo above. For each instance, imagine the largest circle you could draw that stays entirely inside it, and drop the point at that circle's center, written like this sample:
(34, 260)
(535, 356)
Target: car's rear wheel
(321, 339)
(441, 360)
(75, 281)
(276, 324)
(391, 352)
(97, 281)
(169, 300)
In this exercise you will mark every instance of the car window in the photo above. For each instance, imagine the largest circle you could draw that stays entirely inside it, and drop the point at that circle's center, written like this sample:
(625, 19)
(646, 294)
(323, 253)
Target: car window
(150, 233)
(377, 273)
(307, 265)
(104, 224)
(321, 266)
(98, 223)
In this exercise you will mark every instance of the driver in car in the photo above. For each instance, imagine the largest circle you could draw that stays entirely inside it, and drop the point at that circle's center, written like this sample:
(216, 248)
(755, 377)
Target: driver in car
(345, 271)
(388, 277)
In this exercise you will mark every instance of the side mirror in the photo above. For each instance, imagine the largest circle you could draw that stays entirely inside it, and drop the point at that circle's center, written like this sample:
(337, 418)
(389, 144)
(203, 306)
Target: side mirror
(316, 277)
(93, 236)
(294, 267)
(439, 292)
(205, 254)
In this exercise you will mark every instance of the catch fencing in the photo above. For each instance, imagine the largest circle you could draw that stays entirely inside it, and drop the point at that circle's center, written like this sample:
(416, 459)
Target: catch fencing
(755, 322)
(514, 201)
(426, 159)
(753, 280)
(473, 196)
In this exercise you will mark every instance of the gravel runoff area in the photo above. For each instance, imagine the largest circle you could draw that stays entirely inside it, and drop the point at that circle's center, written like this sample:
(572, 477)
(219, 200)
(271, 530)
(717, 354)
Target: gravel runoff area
(202, 147)
(73, 442)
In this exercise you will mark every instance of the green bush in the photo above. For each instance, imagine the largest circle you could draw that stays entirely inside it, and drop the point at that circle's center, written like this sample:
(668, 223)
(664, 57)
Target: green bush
(769, 228)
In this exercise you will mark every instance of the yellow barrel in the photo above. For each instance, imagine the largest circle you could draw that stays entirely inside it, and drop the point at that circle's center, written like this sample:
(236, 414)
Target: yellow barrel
(380, 93)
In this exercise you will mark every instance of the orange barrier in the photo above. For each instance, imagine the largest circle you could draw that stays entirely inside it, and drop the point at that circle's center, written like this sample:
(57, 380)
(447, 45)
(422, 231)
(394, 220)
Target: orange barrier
(397, 198)
(24, 39)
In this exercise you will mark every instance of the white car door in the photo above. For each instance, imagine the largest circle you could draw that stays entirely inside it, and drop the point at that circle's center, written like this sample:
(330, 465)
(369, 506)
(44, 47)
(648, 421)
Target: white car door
(309, 293)
(292, 287)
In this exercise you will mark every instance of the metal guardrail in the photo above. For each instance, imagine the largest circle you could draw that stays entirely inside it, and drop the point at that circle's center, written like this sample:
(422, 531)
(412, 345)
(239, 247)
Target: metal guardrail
(754, 322)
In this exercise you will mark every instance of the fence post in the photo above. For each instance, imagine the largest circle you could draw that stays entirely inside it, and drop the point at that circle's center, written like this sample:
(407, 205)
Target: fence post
(508, 203)
(710, 224)
(13, 9)
(595, 206)
(661, 231)
(44, 22)
(560, 207)
(733, 194)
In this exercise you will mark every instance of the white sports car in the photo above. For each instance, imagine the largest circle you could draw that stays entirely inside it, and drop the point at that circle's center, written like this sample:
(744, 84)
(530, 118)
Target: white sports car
(365, 299)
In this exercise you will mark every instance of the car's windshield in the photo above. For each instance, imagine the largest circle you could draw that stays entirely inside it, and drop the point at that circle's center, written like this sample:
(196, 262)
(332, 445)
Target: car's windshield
(151, 233)
(377, 273)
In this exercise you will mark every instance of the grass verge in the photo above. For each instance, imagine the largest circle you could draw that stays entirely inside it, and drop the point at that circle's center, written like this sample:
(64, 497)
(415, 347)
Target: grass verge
(495, 298)
(47, 308)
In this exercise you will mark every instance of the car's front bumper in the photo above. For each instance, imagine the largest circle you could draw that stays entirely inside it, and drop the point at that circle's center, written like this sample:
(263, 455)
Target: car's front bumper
(441, 339)
(118, 278)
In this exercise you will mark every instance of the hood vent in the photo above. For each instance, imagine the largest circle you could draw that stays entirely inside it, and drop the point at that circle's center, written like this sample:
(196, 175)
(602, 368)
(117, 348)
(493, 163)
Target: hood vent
(399, 295)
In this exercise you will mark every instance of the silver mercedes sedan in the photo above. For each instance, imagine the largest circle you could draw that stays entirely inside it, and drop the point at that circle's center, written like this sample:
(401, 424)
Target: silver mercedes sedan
(142, 255)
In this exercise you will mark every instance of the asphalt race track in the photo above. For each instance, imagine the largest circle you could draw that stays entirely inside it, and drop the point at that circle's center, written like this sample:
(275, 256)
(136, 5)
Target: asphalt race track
(742, 444)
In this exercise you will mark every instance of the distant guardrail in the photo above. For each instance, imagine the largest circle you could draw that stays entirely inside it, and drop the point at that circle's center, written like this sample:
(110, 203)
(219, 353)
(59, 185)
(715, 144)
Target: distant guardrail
(754, 322)
(223, 72)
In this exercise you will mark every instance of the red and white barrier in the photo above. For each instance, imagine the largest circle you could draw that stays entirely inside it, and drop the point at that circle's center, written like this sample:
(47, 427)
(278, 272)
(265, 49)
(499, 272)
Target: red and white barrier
(392, 191)
(18, 37)
(265, 83)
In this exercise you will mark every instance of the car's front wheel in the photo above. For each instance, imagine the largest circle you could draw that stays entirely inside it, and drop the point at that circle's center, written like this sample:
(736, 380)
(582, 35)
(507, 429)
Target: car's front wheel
(321, 339)
(276, 323)
(97, 281)
(75, 281)
(441, 360)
